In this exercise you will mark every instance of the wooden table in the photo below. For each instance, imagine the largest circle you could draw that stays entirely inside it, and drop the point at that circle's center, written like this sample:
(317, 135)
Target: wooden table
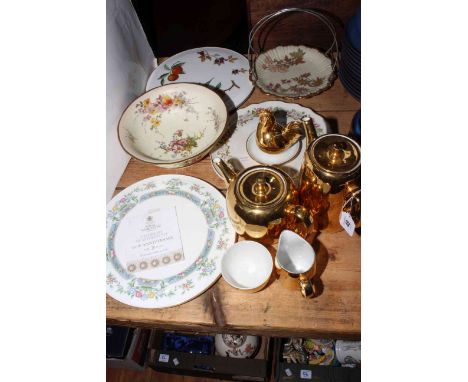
(279, 309)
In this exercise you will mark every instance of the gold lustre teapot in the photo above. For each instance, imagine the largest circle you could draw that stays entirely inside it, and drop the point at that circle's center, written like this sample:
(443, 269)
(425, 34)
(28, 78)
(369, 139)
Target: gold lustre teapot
(330, 181)
(262, 201)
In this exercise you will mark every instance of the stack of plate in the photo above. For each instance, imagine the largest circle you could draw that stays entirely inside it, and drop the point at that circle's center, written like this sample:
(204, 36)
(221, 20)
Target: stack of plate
(350, 66)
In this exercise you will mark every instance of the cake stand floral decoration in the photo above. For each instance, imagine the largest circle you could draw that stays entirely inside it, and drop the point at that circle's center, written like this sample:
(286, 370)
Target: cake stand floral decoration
(293, 71)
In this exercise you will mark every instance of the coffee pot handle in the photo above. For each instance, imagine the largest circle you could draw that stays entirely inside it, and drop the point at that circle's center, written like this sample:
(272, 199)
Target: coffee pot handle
(352, 204)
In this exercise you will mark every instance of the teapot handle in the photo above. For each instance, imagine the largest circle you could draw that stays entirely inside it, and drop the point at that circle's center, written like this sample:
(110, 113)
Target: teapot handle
(300, 212)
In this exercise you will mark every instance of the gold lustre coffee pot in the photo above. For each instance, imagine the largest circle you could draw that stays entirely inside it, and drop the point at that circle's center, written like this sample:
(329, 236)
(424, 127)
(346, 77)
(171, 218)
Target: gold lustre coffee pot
(262, 201)
(330, 181)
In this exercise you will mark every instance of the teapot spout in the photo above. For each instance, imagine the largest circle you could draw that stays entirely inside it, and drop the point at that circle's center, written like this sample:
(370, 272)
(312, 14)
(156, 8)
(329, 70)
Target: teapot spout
(228, 173)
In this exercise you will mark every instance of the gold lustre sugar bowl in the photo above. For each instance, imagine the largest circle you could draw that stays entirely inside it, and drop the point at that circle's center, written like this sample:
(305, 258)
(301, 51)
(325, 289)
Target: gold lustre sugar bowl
(262, 201)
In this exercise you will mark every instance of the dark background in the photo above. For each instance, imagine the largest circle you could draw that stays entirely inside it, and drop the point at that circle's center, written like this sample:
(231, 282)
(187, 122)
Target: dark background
(172, 26)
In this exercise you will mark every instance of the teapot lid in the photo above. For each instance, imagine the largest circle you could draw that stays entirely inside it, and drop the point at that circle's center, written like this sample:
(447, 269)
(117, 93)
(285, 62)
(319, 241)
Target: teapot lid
(335, 154)
(261, 186)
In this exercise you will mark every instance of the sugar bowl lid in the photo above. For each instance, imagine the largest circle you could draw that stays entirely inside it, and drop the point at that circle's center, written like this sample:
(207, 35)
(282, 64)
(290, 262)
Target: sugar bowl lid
(335, 155)
(261, 186)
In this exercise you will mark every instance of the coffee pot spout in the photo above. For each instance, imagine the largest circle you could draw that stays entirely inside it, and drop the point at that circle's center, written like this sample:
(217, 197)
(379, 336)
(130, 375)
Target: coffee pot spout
(309, 130)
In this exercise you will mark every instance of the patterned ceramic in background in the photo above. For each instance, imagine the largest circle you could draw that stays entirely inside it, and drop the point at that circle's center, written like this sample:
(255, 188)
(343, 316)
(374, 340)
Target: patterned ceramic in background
(205, 233)
(309, 351)
(174, 125)
(236, 345)
(232, 147)
(293, 71)
(321, 352)
(219, 68)
(350, 69)
(348, 352)
(350, 65)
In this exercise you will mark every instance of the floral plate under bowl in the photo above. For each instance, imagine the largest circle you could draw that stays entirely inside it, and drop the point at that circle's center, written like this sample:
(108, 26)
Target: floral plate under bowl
(293, 71)
(166, 236)
(174, 125)
(232, 148)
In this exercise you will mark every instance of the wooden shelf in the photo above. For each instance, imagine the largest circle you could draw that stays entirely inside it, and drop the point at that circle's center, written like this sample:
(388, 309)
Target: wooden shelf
(279, 309)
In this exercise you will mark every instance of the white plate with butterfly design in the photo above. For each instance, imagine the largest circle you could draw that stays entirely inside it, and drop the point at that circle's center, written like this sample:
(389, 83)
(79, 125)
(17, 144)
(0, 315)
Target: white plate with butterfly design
(218, 68)
(232, 148)
(165, 237)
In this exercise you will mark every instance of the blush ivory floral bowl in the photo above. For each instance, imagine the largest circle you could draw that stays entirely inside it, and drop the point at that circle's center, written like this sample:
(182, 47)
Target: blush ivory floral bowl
(293, 71)
(174, 125)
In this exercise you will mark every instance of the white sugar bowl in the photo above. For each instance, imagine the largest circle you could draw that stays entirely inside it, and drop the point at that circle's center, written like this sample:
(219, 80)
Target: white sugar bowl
(247, 265)
(236, 345)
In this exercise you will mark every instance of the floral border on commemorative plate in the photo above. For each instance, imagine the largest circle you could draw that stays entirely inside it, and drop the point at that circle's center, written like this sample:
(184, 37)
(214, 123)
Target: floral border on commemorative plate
(120, 282)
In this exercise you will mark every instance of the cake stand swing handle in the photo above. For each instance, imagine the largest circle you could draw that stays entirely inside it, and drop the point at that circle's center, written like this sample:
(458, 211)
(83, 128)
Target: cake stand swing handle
(266, 19)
